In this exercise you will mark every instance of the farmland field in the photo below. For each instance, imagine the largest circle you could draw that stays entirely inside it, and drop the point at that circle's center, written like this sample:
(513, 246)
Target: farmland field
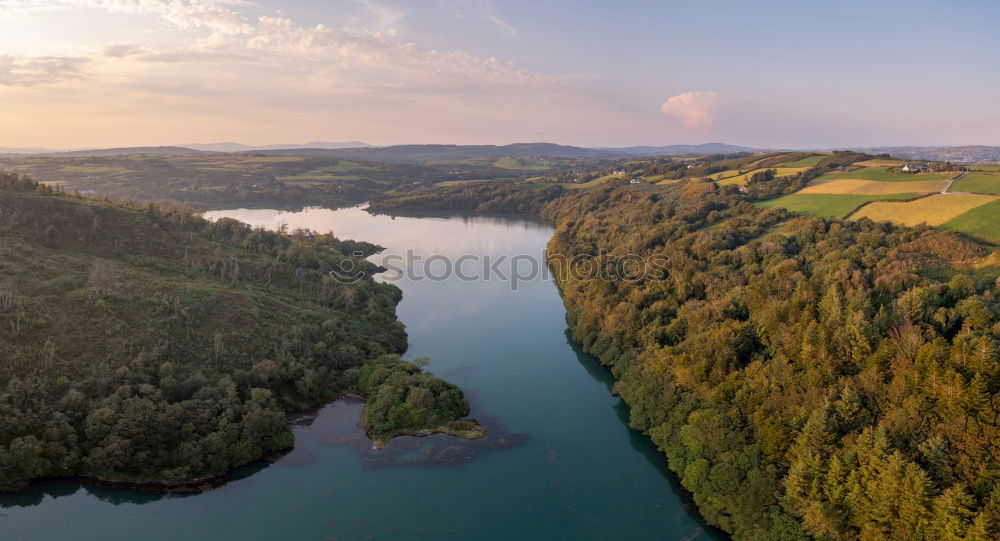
(734, 176)
(809, 161)
(933, 210)
(828, 205)
(522, 163)
(982, 222)
(978, 183)
(871, 187)
(884, 175)
(880, 162)
(272, 159)
(460, 182)
(725, 174)
(97, 170)
(591, 183)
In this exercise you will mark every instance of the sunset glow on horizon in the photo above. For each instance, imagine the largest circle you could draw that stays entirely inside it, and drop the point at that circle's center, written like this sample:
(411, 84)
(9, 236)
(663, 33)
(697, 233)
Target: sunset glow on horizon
(93, 73)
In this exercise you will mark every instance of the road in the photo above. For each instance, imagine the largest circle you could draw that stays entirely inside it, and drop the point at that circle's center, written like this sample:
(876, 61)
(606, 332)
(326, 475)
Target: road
(952, 181)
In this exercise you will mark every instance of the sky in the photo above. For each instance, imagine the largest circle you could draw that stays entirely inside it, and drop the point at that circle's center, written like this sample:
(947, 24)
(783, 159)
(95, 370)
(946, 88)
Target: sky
(767, 74)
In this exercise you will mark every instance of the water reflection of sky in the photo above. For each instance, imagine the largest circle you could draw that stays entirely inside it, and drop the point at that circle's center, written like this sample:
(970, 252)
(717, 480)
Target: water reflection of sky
(433, 235)
(425, 236)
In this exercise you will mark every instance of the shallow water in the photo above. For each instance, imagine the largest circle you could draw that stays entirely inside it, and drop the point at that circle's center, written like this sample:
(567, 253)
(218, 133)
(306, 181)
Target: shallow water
(560, 462)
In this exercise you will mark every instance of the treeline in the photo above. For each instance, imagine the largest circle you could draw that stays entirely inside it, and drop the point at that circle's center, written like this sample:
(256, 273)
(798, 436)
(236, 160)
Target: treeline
(806, 378)
(145, 344)
(485, 197)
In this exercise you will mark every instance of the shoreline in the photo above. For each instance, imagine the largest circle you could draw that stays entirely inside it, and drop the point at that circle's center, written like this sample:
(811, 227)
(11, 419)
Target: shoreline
(298, 418)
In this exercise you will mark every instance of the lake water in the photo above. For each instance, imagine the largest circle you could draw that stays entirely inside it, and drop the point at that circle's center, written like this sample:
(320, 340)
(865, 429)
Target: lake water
(560, 462)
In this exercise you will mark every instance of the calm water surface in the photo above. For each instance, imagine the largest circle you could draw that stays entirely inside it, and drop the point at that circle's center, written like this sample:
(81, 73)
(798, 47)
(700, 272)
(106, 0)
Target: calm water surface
(561, 462)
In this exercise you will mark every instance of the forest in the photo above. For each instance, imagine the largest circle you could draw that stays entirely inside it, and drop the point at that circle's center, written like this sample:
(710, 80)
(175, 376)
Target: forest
(145, 345)
(805, 378)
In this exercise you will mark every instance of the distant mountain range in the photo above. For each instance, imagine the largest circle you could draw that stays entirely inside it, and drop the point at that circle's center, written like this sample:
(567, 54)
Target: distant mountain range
(956, 154)
(107, 152)
(706, 148)
(357, 150)
(240, 147)
(430, 153)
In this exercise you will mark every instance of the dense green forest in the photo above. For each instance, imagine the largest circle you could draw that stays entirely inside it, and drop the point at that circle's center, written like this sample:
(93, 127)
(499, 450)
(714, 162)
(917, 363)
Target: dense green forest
(145, 344)
(485, 197)
(805, 377)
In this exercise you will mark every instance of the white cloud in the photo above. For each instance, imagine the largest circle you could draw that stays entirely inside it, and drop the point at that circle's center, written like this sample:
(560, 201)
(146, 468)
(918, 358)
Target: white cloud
(30, 71)
(285, 75)
(695, 109)
(214, 15)
(356, 57)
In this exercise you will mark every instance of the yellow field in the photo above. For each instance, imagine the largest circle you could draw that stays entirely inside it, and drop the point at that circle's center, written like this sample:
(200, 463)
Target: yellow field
(741, 179)
(881, 163)
(272, 159)
(460, 182)
(933, 210)
(872, 187)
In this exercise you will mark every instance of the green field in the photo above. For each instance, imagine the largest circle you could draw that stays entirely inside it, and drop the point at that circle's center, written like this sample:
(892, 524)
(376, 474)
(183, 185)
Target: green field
(591, 183)
(333, 170)
(978, 183)
(984, 167)
(460, 182)
(809, 161)
(880, 162)
(315, 180)
(828, 205)
(982, 222)
(272, 159)
(522, 163)
(883, 174)
(97, 170)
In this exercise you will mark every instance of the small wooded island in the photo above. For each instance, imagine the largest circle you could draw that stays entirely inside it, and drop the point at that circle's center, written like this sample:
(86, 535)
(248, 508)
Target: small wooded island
(147, 346)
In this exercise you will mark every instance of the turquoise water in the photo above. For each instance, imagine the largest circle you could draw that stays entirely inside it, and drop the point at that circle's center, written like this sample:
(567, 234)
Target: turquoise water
(560, 463)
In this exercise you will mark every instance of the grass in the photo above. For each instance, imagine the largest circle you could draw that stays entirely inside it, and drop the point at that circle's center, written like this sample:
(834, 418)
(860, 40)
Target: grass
(933, 210)
(809, 161)
(331, 172)
(883, 174)
(778, 172)
(982, 222)
(828, 205)
(307, 178)
(591, 183)
(881, 162)
(522, 164)
(96, 169)
(272, 159)
(460, 182)
(978, 183)
(722, 175)
(978, 167)
(871, 187)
